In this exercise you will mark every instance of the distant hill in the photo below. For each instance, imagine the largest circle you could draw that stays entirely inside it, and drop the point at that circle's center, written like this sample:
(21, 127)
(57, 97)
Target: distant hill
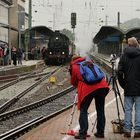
(130, 24)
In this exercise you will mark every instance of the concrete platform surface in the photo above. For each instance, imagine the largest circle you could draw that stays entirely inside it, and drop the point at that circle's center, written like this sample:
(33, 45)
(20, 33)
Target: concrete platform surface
(53, 129)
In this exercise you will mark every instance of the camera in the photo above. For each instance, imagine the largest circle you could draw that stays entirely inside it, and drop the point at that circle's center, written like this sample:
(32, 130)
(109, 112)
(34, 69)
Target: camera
(113, 58)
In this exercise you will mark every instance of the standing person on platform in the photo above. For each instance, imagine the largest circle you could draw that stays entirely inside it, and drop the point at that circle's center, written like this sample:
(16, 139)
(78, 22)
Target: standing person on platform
(43, 52)
(6, 54)
(14, 56)
(1, 55)
(86, 93)
(35, 52)
(19, 55)
(129, 79)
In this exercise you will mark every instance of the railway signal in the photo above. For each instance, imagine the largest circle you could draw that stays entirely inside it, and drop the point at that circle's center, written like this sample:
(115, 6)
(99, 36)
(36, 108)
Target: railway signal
(73, 20)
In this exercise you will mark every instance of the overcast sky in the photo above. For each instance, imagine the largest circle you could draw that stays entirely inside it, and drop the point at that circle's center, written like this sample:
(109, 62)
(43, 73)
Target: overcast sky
(91, 15)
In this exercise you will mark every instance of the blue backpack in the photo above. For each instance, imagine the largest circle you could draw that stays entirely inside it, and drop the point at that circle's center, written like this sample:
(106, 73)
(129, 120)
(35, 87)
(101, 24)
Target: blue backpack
(90, 72)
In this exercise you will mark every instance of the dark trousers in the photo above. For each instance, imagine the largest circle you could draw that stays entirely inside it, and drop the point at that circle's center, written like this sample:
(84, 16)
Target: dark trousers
(99, 96)
(14, 57)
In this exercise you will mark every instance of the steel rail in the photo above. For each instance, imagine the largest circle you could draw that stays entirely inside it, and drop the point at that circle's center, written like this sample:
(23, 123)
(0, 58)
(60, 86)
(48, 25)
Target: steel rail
(4, 106)
(31, 106)
(17, 132)
(20, 79)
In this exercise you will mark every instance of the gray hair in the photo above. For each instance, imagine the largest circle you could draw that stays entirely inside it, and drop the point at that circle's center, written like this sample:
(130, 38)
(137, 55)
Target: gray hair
(133, 42)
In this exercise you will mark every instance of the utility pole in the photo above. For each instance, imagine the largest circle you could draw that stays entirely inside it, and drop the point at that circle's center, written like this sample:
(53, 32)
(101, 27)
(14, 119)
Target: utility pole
(29, 28)
(118, 19)
(106, 20)
(54, 21)
(19, 28)
(9, 34)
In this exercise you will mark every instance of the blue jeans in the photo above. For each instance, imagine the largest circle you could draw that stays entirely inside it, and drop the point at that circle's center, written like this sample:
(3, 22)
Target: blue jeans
(99, 96)
(129, 102)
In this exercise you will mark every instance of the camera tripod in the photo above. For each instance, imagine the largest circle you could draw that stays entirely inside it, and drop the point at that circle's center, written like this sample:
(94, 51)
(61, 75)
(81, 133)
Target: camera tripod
(115, 88)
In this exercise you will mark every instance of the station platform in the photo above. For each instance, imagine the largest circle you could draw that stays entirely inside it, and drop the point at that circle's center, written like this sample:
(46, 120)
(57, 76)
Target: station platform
(58, 127)
(26, 66)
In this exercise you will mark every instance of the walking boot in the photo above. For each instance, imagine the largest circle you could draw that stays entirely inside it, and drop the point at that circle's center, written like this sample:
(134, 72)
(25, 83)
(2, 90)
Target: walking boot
(80, 136)
(99, 135)
(137, 135)
(127, 134)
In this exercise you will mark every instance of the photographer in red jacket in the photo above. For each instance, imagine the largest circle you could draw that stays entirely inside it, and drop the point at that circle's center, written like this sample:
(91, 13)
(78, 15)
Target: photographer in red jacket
(86, 93)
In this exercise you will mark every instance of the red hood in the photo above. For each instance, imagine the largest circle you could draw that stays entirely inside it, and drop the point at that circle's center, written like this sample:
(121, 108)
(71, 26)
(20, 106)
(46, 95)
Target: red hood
(78, 60)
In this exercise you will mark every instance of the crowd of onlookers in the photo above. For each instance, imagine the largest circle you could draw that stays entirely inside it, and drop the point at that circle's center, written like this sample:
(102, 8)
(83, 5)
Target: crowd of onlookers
(16, 55)
(37, 53)
(4, 54)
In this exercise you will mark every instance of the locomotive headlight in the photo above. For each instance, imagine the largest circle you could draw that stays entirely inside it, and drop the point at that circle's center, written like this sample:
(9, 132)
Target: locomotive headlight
(63, 52)
(50, 52)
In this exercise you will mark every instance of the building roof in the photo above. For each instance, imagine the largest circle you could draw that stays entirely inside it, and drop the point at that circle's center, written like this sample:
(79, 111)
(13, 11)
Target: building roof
(133, 32)
(111, 33)
(41, 29)
(107, 31)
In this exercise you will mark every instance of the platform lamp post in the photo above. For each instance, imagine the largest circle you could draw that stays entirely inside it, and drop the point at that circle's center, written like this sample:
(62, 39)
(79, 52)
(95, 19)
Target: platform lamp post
(9, 32)
(29, 29)
(20, 26)
(123, 43)
(19, 29)
(9, 41)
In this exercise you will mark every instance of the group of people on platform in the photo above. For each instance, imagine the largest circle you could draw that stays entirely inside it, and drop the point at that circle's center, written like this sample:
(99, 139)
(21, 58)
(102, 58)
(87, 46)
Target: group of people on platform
(18, 54)
(4, 53)
(128, 74)
(37, 53)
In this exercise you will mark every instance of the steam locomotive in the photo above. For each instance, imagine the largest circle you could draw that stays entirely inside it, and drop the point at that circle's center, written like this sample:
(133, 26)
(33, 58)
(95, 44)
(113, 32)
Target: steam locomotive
(60, 49)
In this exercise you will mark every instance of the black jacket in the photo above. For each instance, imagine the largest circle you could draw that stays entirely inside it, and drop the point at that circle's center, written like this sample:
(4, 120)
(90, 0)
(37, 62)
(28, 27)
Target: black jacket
(129, 71)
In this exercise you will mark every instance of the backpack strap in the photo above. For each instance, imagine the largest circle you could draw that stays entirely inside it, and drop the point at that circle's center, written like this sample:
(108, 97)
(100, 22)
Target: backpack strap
(91, 66)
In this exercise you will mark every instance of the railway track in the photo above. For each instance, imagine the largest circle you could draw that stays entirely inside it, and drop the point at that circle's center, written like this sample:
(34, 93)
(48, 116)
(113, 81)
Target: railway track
(35, 117)
(9, 80)
(7, 103)
(12, 77)
(18, 121)
(20, 78)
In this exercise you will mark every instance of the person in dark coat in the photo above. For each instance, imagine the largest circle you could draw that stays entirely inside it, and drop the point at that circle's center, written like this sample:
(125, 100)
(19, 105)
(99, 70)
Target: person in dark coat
(19, 55)
(43, 52)
(86, 93)
(129, 79)
(14, 55)
(6, 54)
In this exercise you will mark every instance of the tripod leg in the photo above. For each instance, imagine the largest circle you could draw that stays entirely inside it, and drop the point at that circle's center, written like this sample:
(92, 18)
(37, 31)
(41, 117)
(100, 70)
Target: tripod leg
(72, 113)
(118, 92)
(110, 80)
(94, 125)
(114, 89)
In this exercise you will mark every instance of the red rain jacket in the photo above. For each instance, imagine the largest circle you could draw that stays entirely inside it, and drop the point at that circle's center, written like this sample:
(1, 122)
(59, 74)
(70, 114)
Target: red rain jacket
(1, 52)
(83, 89)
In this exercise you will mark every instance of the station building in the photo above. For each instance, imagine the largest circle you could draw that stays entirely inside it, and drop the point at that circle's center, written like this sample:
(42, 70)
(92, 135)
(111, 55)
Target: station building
(13, 20)
(112, 40)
